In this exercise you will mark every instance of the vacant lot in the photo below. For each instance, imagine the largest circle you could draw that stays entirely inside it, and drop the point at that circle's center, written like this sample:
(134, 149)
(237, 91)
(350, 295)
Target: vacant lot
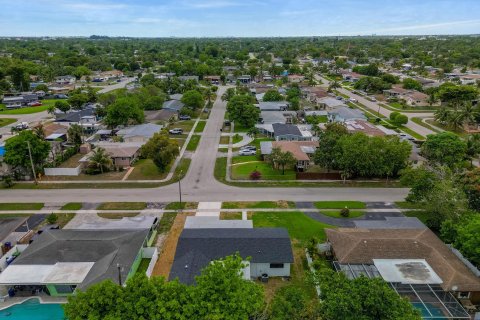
(242, 171)
(145, 169)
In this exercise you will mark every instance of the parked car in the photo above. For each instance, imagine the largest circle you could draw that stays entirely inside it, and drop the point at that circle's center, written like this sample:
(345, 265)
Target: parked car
(372, 99)
(339, 98)
(353, 100)
(175, 131)
(184, 117)
(248, 148)
(34, 104)
(22, 126)
(247, 152)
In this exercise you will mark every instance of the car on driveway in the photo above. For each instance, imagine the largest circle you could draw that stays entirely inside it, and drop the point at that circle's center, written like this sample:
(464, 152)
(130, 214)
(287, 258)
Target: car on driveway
(248, 148)
(175, 131)
(184, 117)
(247, 152)
(34, 104)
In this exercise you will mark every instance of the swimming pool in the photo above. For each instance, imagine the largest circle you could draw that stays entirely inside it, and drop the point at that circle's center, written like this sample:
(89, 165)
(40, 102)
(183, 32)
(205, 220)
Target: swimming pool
(32, 309)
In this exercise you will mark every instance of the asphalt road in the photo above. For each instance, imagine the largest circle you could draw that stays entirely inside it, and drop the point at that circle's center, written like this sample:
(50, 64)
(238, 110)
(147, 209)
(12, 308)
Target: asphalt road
(199, 183)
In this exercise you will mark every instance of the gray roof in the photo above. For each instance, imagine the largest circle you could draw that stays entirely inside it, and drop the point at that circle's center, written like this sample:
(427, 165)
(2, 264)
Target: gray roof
(272, 105)
(174, 105)
(281, 129)
(391, 223)
(347, 113)
(270, 117)
(266, 147)
(196, 248)
(74, 116)
(105, 248)
(146, 130)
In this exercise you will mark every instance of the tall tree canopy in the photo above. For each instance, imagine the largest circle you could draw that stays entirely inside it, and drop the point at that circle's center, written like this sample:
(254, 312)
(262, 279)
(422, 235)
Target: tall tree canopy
(16, 150)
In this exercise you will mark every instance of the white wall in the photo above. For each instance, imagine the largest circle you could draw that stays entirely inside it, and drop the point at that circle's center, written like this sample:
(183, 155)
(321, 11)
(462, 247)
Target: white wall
(154, 257)
(63, 171)
(257, 269)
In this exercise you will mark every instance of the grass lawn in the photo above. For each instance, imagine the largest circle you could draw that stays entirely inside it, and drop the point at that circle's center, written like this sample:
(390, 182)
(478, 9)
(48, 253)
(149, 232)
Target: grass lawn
(186, 125)
(239, 128)
(237, 138)
(193, 143)
(339, 204)
(72, 206)
(178, 206)
(6, 121)
(145, 169)
(256, 142)
(299, 226)
(118, 215)
(64, 218)
(72, 162)
(336, 214)
(259, 205)
(421, 215)
(166, 222)
(29, 110)
(200, 126)
(224, 139)
(230, 216)
(143, 266)
(20, 206)
(122, 206)
(14, 215)
(241, 159)
(242, 171)
(111, 175)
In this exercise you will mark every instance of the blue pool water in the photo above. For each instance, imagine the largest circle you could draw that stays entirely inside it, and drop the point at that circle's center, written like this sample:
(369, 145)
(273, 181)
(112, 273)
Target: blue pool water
(2, 151)
(32, 309)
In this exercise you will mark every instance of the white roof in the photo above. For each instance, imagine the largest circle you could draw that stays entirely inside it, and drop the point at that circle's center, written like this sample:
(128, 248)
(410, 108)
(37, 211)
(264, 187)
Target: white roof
(215, 223)
(59, 273)
(407, 271)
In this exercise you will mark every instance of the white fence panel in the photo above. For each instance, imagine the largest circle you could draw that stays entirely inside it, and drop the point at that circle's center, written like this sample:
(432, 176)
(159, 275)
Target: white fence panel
(152, 263)
(63, 171)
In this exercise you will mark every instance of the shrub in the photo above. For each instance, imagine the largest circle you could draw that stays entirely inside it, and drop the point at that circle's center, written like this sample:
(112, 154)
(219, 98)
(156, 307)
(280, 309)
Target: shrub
(345, 212)
(255, 175)
(52, 218)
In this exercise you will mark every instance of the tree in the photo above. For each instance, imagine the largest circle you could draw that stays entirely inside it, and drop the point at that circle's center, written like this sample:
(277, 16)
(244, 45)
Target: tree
(445, 148)
(360, 299)
(100, 160)
(278, 158)
(326, 154)
(420, 180)
(52, 218)
(16, 150)
(455, 96)
(369, 70)
(273, 95)
(39, 131)
(465, 237)
(292, 303)
(41, 87)
(412, 84)
(124, 111)
(372, 85)
(74, 135)
(241, 110)
(62, 105)
(390, 78)
(161, 149)
(219, 293)
(334, 85)
(470, 181)
(473, 146)
(193, 99)
(399, 119)
(78, 100)
(253, 132)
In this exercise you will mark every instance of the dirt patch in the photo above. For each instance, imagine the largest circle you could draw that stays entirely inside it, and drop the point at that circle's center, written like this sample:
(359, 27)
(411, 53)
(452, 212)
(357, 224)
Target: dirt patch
(230, 216)
(165, 261)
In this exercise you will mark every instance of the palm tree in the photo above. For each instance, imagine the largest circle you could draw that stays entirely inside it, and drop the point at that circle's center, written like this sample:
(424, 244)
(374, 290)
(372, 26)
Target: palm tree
(284, 159)
(473, 146)
(333, 85)
(100, 159)
(51, 109)
(442, 115)
(252, 132)
(39, 131)
(468, 113)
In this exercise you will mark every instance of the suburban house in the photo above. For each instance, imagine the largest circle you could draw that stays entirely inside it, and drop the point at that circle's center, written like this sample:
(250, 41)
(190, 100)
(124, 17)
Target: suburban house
(290, 132)
(139, 133)
(173, 105)
(395, 92)
(351, 76)
(160, 115)
(60, 261)
(344, 114)
(270, 117)
(314, 94)
(365, 127)
(62, 80)
(416, 98)
(245, 79)
(272, 106)
(185, 78)
(295, 78)
(212, 79)
(85, 118)
(269, 251)
(301, 150)
(330, 103)
(12, 102)
(123, 155)
(416, 264)
(472, 79)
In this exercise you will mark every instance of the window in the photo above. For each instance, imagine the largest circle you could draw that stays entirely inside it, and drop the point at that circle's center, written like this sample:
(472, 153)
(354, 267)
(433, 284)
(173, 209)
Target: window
(276, 265)
(463, 295)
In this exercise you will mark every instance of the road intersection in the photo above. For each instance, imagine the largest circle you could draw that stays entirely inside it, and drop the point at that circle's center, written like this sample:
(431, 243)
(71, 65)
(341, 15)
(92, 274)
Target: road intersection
(199, 183)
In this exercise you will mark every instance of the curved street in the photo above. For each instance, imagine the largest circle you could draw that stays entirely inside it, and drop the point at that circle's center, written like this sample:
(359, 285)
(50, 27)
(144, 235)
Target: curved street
(199, 183)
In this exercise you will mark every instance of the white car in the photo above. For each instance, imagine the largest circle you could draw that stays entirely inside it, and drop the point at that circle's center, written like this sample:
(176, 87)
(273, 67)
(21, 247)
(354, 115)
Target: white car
(175, 131)
(247, 152)
(353, 100)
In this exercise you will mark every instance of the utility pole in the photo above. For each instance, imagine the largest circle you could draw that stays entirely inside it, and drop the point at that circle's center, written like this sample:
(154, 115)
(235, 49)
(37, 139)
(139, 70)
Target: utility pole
(31, 162)
(119, 274)
(180, 189)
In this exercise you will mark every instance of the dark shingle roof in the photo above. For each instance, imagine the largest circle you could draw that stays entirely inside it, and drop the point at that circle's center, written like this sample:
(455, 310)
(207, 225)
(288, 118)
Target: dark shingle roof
(74, 116)
(196, 248)
(105, 248)
(281, 129)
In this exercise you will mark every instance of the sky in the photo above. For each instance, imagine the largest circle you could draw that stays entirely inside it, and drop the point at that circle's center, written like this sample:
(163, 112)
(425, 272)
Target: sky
(239, 18)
